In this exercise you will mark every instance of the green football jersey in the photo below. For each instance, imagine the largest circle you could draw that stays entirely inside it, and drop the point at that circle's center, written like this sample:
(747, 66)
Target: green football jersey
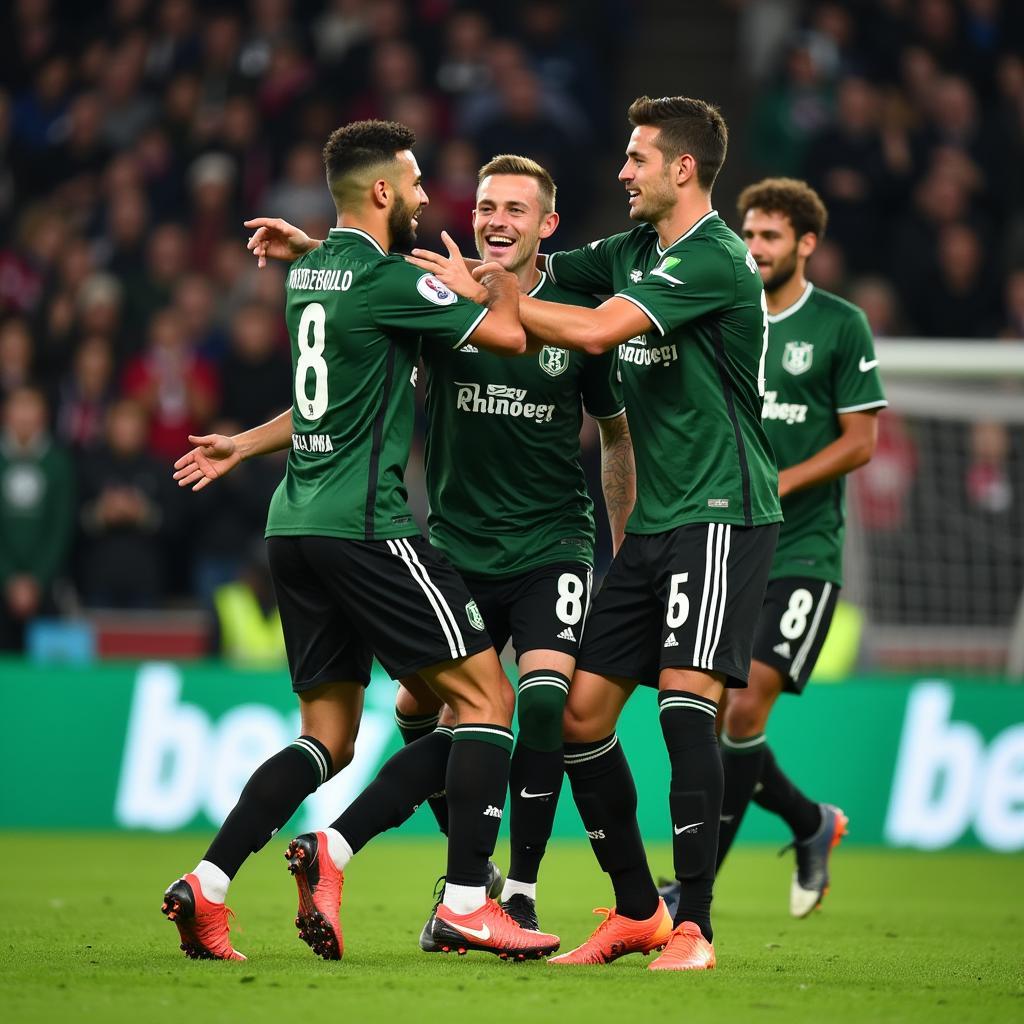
(504, 473)
(693, 395)
(355, 317)
(821, 362)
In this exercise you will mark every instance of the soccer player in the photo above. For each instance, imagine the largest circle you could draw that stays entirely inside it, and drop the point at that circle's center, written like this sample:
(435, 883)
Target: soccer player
(679, 604)
(509, 508)
(352, 575)
(820, 413)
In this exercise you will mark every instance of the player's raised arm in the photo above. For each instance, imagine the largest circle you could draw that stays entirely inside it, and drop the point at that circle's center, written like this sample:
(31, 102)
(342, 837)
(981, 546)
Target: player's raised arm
(276, 239)
(500, 331)
(216, 455)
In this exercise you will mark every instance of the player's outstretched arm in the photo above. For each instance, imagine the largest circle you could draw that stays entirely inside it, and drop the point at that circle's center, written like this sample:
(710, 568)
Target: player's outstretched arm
(854, 447)
(584, 330)
(618, 475)
(276, 239)
(500, 331)
(216, 455)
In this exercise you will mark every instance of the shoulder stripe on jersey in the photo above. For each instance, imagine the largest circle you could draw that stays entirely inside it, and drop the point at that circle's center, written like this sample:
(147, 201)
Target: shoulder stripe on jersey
(730, 405)
(880, 403)
(471, 328)
(549, 266)
(805, 647)
(636, 302)
(402, 549)
(377, 438)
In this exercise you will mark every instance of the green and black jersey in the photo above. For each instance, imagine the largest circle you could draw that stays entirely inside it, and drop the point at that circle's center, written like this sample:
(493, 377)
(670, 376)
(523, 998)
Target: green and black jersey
(356, 317)
(821, 363)
(692, 390)
(504, 477)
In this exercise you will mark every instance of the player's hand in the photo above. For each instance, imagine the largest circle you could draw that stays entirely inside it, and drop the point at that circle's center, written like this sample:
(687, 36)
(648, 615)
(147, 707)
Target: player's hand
(214, 456)
(276, 239)
(450, 270)
(493, 275)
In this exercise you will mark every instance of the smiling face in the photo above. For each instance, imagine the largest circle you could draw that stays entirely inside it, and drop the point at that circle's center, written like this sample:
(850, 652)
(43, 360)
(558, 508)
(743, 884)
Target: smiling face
(772, 241)
(510, 220)
(407, 203)
(648, 177)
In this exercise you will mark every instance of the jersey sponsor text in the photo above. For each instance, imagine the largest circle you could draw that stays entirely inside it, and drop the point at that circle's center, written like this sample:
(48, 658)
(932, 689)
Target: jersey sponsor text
(637, 352)
(788, 412)
(501, 400)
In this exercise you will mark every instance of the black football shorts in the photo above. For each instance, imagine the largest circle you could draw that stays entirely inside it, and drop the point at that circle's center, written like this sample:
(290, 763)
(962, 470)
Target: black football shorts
(686, 598)
(344, 601)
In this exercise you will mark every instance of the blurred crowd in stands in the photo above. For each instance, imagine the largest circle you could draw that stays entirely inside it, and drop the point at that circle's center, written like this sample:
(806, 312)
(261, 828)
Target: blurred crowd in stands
(136, 135)
(907, 116)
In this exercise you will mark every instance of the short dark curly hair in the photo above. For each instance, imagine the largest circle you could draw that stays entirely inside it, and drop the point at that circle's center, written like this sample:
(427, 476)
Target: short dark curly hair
(686, 125)
(792, 198)
(362, 144)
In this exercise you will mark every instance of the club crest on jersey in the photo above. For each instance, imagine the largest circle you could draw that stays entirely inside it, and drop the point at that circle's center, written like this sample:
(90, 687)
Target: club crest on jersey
(636, 276)
(476, 620)
(553, 361)
(431, 289)
(797, 357)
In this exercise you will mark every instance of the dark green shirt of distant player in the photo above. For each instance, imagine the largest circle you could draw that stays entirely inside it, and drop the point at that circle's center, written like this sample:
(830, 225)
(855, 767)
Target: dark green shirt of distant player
(821, 363)
(693, 384)
(355, 317)
(504, 473)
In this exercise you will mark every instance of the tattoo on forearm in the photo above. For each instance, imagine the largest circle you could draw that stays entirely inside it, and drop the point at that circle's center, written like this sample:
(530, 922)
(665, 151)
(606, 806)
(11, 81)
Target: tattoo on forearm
(618, 473)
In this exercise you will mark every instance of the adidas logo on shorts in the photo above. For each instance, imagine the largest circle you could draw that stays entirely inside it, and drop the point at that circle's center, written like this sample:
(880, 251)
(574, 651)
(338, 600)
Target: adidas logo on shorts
(671, 641)
(783, 649)
(567, 634)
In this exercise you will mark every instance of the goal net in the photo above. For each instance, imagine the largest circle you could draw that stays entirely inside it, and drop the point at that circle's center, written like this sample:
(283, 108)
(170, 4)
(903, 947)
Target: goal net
(935, 545)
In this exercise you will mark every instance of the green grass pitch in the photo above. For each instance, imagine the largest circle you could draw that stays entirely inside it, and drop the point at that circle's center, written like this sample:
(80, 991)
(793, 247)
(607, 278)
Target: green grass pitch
(902, 937)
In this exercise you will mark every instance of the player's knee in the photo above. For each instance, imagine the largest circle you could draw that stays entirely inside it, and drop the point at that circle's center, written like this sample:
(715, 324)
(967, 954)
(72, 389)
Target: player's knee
(577, 724)
(747, 714)
(541, 705)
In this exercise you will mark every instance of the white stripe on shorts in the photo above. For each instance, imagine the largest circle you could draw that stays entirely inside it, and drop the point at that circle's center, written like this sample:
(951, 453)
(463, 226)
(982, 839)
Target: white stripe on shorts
(805, 647)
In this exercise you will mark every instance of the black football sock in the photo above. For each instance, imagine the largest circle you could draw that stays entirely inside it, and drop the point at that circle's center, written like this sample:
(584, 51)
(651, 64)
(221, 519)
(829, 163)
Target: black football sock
(741, 762)
(695, 799)
(537, 770)
(412, 728)
(477, 781)
(605, 795)
(270, 797)
(777, 794)
(404, 781)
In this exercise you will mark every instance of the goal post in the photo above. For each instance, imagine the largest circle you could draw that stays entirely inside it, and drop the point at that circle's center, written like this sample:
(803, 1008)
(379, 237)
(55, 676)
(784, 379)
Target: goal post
(935, 544)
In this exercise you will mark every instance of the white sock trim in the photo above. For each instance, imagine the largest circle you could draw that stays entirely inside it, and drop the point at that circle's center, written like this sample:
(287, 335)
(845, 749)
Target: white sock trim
(338, 848)
(512, 887)
(464, 899)
(212, 881)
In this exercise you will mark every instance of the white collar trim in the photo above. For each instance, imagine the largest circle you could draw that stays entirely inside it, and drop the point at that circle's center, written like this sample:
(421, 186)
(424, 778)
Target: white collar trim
(795, 308)
(689, 231)
(540, 284)
(365, 234)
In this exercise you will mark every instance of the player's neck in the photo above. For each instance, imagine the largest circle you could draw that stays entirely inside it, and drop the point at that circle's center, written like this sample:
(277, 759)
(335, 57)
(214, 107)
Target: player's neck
(688, 210)
(528, 276)
(782, 298)
(375, 227)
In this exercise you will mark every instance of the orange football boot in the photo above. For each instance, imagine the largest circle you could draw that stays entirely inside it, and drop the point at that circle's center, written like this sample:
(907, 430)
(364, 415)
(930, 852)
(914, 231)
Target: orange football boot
(319, 883)
(616, 936)
(487, 929)
(202, 924)
(687, 950)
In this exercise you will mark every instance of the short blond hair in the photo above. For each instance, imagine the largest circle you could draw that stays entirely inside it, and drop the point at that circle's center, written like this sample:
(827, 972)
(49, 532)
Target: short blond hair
(508, 163)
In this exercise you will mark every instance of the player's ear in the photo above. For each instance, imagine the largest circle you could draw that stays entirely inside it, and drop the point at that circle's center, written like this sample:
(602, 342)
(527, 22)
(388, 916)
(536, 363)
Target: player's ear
(381, 192)
(806, 245)
(548, 224)
(685, 168)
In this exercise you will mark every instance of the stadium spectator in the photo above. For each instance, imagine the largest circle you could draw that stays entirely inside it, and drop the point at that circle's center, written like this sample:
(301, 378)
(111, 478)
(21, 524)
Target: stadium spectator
(36, 514)
(256, 370)
(178, 389)
(126, 500)
(85, 393)
(15, 356)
